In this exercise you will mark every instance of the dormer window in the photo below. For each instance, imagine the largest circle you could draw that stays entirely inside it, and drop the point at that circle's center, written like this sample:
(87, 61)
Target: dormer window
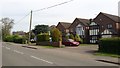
(109, 26)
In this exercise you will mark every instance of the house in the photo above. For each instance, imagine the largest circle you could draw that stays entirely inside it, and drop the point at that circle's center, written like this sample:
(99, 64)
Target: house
(104, 25)
(80, 26)
(21, 33)
(63, 27)
(94, 32)
(52, 26)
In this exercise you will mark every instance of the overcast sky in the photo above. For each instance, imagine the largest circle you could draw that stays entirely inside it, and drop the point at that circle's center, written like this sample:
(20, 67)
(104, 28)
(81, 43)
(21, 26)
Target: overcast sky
(17, 9)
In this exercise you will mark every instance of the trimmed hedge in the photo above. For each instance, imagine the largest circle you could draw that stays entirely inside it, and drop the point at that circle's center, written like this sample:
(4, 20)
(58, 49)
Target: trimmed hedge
(15, 39)
(9, 38)
(110, 45)
(43, 37)
(20, 40)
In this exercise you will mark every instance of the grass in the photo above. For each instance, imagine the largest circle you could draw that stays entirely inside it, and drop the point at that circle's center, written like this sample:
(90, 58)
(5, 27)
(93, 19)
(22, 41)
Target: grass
(87, 44)
(49, 46)
(107, 54)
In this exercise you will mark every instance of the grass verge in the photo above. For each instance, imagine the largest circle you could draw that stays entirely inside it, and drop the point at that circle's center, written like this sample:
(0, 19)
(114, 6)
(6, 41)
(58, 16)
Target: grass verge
(107, 54)
(49, 46)
(87, 44)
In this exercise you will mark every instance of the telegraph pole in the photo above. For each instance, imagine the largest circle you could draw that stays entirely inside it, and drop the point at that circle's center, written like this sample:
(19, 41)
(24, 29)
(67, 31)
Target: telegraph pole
(30, 27)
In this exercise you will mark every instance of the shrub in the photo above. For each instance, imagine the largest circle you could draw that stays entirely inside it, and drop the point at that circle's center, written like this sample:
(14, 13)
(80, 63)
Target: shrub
(9, 38)
(110, 45)
(71, 36)
(67, 36)
(43, 37)
(19, 39)
(15, 39)
(56, 35)
(78, 39)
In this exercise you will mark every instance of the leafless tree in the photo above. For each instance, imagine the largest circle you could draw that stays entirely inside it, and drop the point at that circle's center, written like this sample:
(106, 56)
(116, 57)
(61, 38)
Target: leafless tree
(7, 25)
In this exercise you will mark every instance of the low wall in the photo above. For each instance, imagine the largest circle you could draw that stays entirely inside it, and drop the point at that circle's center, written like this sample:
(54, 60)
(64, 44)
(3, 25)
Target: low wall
(56, 44)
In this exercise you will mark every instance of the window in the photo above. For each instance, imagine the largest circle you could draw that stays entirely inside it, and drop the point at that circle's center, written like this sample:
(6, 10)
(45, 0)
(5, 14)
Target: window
(80, 30)
(94, 32)
(109, 26)
(106, 31)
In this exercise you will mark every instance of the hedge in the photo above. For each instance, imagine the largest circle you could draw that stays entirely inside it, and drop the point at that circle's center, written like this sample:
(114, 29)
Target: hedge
(9, 38)
(15, 39)
(19, 39)
(43, 37)
(109, 45)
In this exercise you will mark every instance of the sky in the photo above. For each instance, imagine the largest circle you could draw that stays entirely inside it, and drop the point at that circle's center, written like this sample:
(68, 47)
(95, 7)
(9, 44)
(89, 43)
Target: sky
(17, 9)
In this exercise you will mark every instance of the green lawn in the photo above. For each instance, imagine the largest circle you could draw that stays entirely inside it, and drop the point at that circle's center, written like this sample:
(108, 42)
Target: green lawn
(87, 44)
(107, 54)
(49, 46)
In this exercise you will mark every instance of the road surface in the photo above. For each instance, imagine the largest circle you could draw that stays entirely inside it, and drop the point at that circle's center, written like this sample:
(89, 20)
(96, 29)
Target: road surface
(16, 55)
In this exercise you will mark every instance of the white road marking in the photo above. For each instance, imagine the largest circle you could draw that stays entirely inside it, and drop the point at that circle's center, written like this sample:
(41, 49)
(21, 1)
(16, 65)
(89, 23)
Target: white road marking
(8, 48)
(41, 59)
(18, 52)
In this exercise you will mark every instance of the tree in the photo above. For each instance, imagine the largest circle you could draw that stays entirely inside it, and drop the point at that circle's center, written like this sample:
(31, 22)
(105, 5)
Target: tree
(78, 39)
(7, 25)
(56, 35)
(40, 29)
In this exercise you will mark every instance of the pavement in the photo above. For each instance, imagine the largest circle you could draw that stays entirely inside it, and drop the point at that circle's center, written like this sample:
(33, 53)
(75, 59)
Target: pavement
(29, 55)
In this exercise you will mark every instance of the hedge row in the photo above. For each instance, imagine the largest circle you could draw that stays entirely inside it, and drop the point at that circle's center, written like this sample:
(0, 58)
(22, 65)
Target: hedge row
(43, 37)
(15, 39)
(110, 45)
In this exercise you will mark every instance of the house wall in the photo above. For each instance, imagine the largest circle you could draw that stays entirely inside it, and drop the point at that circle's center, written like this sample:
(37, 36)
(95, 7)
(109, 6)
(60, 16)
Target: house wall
(103, 22)
(73, 29)
(93, 32)
(62, 29)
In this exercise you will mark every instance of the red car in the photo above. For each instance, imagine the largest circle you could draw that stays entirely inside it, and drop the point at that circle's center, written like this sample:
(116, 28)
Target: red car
(70, 42)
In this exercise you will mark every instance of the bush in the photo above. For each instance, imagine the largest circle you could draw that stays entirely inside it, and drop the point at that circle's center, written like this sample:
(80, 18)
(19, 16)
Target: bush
(110, 45)
(78, 39)
(20, 39)
(56, 35)
(15, 39)
(71, 36)
(67, 36)
(43, 37)
(9, 38)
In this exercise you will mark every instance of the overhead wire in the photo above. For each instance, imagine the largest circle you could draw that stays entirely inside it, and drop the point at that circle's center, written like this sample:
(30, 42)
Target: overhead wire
(52, 6)
(22, 18)
(44, 9)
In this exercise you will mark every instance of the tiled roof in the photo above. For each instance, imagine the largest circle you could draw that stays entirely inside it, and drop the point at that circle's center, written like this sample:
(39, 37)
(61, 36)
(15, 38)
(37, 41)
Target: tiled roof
(84, 21)
(113, 17)
(65, 24)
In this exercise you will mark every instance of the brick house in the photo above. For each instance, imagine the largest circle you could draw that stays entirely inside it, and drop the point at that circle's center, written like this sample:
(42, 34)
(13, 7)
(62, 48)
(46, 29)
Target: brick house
(63, 27)
(80, 27)
(104, 25)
